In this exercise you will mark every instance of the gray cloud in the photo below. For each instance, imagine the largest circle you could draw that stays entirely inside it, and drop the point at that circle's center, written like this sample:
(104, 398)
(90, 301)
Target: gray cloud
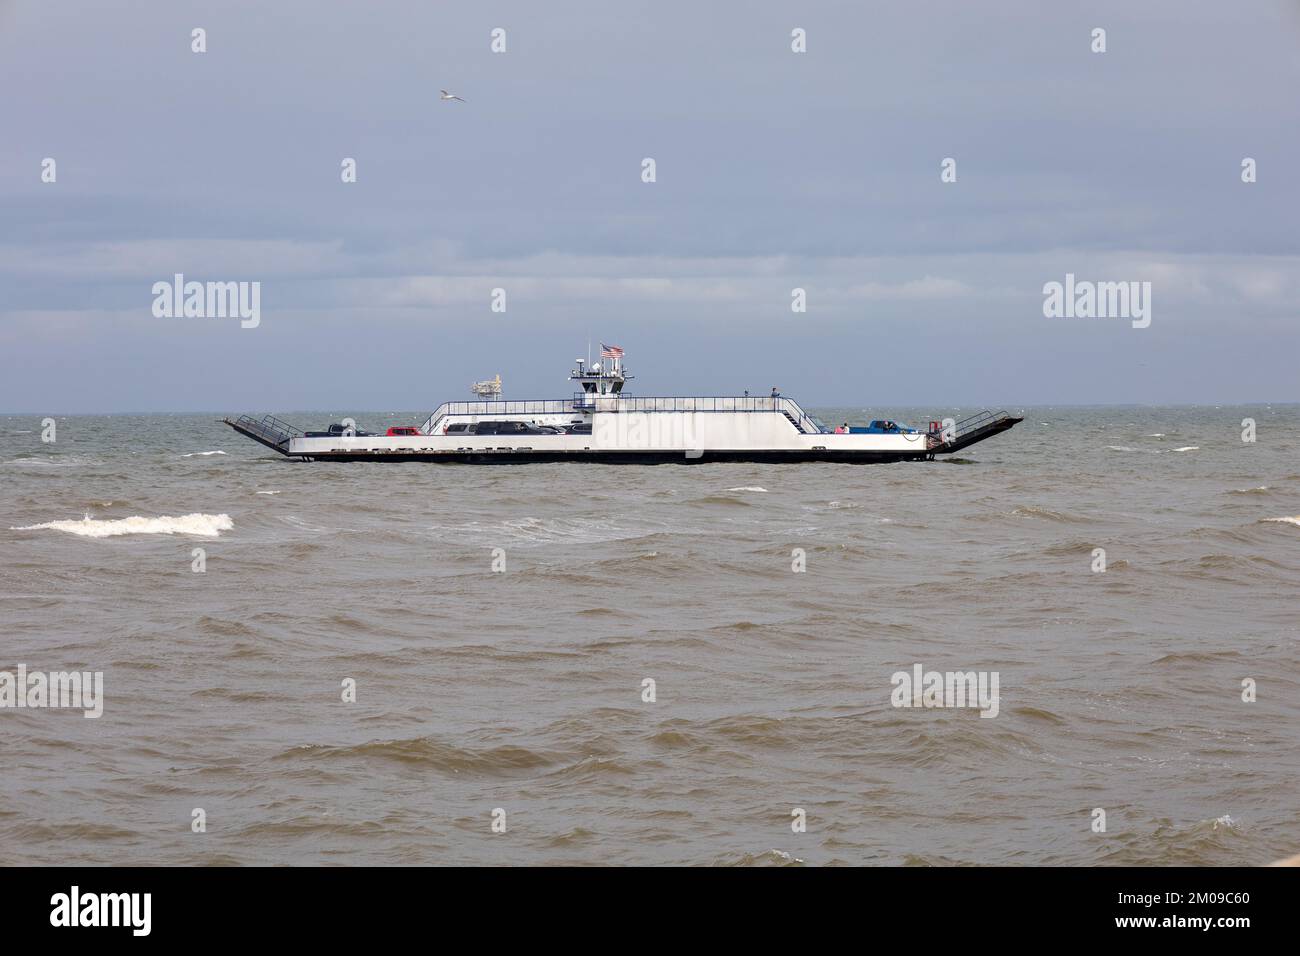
(775, 170)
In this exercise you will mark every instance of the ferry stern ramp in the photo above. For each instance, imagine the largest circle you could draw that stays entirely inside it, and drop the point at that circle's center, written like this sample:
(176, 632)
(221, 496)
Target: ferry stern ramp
(267, 430)
(970, 430)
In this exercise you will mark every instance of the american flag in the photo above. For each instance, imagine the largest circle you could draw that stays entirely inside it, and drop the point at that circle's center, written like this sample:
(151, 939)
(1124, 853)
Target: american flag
(610, 351)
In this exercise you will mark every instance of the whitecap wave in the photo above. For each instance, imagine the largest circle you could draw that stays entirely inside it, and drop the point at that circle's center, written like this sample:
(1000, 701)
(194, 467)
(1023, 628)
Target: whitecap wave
(535, 532)
(51, 461)
(202, 525)
(1189, 448)
(749, 488)
(1286, 519)
(203, 454)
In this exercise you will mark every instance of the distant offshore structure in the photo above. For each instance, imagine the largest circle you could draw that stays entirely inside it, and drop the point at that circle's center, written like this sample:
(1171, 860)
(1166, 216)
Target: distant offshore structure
(490, 388)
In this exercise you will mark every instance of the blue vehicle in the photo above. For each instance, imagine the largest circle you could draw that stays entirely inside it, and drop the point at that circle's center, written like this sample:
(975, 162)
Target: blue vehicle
(883, 427)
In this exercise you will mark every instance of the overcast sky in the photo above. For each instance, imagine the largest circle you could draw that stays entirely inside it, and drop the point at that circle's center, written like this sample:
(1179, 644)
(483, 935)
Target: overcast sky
(775, 170)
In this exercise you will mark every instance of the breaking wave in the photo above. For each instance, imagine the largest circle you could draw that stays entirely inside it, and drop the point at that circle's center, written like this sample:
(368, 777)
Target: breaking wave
(1030, 511)
(208, 526)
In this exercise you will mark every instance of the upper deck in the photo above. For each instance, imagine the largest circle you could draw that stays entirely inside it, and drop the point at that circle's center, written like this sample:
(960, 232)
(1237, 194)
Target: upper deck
(586, 403)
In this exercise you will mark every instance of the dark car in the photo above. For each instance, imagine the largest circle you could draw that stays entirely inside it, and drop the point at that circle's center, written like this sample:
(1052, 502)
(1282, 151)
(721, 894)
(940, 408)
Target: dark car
(506, 428)
(581, 428)
(336, 430)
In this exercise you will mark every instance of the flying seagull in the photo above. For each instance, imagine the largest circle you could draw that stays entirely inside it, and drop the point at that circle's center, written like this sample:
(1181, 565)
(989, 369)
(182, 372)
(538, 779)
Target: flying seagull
(449, 96)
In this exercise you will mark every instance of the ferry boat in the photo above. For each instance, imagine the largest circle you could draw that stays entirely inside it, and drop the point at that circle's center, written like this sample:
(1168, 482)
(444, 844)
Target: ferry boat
(601, 423)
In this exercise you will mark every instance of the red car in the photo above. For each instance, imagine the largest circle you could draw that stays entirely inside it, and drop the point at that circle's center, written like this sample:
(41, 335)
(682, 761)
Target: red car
(402, 430)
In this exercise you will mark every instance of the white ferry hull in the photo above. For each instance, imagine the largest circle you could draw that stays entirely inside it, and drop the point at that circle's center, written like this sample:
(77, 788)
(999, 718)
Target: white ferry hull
(635, 438)
(601, 423)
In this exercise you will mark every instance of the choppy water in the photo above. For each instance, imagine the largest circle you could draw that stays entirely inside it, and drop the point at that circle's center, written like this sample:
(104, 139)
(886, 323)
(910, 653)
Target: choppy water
(523, 690)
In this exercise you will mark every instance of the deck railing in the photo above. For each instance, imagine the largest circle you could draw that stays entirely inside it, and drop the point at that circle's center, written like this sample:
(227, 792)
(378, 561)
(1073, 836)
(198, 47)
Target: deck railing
(270, 428)
(976, 422)
(548, 406)
(662, 403)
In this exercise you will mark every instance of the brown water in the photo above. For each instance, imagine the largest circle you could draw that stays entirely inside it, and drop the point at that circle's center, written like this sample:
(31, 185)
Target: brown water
(522, 690)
